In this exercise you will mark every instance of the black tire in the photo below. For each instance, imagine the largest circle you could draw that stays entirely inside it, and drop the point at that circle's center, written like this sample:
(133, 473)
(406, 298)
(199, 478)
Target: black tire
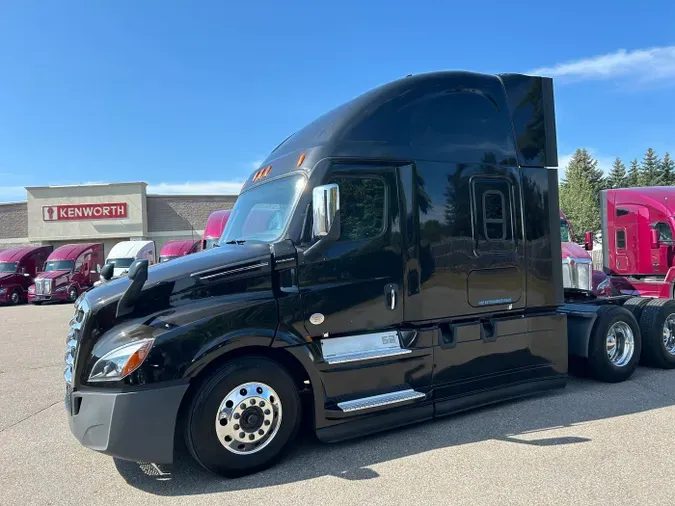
(15, 297)
(200, 432)
(73, 294)
(600, 365)
(652, 322)
(636, 305)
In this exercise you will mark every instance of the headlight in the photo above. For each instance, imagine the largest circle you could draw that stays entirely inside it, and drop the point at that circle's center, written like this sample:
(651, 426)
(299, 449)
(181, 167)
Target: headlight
(3, 290)
(120, 362)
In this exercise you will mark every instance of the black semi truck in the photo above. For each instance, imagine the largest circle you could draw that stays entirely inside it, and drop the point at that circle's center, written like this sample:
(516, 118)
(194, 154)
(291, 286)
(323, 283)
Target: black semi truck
(396, 260)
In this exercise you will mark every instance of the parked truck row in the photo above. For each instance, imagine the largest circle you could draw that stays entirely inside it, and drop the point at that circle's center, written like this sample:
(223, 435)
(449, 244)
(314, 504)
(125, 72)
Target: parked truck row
(39, 274)
(397, 259)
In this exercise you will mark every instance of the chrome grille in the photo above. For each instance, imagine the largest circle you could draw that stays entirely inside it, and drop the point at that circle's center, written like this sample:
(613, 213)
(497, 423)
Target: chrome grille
(72, 342)
(43, 286)
(578, 273)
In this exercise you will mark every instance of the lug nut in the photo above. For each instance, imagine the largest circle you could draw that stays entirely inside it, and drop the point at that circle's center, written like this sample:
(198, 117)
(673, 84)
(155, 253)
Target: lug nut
(242, 435)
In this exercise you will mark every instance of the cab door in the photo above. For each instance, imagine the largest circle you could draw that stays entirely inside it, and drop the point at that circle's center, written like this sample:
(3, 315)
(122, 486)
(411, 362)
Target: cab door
(355, 286)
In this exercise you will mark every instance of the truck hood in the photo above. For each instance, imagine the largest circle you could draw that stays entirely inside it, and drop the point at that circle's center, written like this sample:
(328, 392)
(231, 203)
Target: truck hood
(7, 277)
(573, 250)
(184, 272)
(52, 274)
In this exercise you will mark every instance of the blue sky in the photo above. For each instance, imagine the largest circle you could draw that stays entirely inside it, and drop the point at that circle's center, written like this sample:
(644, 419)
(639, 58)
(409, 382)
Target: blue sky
(189, 96)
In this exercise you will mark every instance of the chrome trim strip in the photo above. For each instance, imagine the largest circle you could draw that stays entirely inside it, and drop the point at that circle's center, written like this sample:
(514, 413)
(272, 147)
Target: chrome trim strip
(284, 260)
(360, 346)
(226, 272)
(366, 355)
(380, 400)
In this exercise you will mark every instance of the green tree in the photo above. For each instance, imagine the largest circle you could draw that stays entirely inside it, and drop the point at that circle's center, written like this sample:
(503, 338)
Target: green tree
(667, 172)
(585, 166)
(649, 171)
(617, 176)
(579, 191)
(633, 177)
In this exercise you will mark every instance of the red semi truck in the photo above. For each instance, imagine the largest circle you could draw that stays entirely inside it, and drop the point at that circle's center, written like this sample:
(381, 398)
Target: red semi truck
(69, 271)
(175, 249)
(578, 269)
(214, 228)
(18, 267)
(637, 241)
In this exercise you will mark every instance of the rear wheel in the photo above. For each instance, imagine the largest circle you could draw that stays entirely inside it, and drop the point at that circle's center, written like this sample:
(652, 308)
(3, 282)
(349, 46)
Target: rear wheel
(615, 344)
(636, 305)
(657, 324)
(243, 418)
(15, 297)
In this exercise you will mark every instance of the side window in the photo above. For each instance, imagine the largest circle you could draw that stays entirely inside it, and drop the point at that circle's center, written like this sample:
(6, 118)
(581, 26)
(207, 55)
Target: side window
(362, 207)
(620, 239)
(78, 264)
(665, 233)
(621, 212)
(493, 223)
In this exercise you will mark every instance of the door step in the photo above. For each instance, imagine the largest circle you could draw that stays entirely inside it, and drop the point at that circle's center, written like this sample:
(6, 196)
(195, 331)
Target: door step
(380, 400)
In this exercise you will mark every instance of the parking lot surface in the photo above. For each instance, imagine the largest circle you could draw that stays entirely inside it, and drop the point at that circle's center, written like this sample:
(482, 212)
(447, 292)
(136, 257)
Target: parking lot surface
(590, 443)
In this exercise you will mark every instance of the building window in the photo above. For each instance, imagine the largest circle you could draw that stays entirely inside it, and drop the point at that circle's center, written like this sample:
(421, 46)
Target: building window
(362, 207)
(620, 239)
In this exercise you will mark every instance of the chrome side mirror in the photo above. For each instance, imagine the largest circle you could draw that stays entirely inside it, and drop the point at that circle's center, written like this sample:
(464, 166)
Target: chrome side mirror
(325, 206)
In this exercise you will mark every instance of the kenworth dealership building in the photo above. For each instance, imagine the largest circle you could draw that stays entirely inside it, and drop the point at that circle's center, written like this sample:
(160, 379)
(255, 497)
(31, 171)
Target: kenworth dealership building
(105, 213)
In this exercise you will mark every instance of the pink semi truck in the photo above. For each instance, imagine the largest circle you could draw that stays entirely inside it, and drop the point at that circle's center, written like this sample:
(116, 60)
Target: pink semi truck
(578, 269)
(215, 225)
(175, 249)
(637, 241)
(18, 267)
(69, 271)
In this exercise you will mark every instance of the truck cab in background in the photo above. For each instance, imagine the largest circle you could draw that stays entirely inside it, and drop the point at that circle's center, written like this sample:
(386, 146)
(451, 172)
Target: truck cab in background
(123, 254)
(578, 271)
(215, 225)
(178, 248)
(69, 271)
(18, 267)
(637, 240)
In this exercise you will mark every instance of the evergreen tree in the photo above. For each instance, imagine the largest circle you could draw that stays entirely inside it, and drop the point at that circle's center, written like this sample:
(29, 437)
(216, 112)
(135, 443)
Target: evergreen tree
(585, 166)
(649, 172)
(617, 176)
(633, 177)
(579, 191)
(667, 172)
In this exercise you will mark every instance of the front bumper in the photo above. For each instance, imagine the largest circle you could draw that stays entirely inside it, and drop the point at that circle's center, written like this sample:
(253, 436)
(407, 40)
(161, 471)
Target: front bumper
(137, 426)
(46, 298)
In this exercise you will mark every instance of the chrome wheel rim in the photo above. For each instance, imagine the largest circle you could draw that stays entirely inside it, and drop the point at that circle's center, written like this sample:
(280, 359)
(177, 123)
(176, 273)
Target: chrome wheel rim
(620, 344)
(248, 418)
(15, 298)
(669, 333)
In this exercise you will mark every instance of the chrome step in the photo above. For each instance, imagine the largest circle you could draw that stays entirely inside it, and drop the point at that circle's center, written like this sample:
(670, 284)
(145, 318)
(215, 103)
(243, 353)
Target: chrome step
(380, 400)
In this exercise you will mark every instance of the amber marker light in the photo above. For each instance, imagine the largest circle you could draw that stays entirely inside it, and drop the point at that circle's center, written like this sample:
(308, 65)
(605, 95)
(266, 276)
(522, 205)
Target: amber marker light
(301, 159)
(136, 359)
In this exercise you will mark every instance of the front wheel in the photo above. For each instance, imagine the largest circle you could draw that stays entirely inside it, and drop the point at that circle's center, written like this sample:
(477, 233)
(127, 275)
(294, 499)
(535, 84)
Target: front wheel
(243, 418)
(15, 297)
(615, 346)
(72, 294)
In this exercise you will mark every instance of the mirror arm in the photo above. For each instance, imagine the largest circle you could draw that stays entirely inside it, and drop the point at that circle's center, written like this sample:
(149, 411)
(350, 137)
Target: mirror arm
(324, 242)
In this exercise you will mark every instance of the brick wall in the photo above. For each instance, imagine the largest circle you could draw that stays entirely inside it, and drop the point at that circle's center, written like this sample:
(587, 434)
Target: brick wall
(173, 213)
(14, 221)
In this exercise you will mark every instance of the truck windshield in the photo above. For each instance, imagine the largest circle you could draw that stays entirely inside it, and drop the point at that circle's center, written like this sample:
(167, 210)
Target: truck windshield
(8, 267)
(564, 231)
(262, 213)
(59, 265)
(120, 263)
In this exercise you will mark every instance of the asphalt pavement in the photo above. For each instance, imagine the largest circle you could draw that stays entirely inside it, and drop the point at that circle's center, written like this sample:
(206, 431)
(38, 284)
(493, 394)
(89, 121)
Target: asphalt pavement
(590, 443)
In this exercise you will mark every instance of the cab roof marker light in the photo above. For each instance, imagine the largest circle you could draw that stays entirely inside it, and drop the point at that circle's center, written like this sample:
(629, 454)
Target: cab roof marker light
(301, 159)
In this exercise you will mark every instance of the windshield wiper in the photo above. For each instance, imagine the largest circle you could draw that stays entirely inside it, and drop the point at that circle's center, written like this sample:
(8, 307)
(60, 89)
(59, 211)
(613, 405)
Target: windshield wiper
(236, 241)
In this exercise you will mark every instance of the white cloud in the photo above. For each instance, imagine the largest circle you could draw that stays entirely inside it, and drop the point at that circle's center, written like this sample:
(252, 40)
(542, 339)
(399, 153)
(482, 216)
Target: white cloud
(642, 64)
(196, 188)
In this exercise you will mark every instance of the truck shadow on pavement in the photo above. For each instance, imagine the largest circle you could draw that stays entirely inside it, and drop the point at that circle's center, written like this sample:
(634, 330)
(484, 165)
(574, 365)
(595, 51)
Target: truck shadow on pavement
(526, 421)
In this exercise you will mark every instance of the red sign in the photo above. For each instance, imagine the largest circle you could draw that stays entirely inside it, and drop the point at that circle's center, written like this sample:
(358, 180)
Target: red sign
(103, 211)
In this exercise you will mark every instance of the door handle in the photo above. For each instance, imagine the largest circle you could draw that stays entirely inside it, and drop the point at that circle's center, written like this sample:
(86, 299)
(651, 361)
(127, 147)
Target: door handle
(390, 291)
